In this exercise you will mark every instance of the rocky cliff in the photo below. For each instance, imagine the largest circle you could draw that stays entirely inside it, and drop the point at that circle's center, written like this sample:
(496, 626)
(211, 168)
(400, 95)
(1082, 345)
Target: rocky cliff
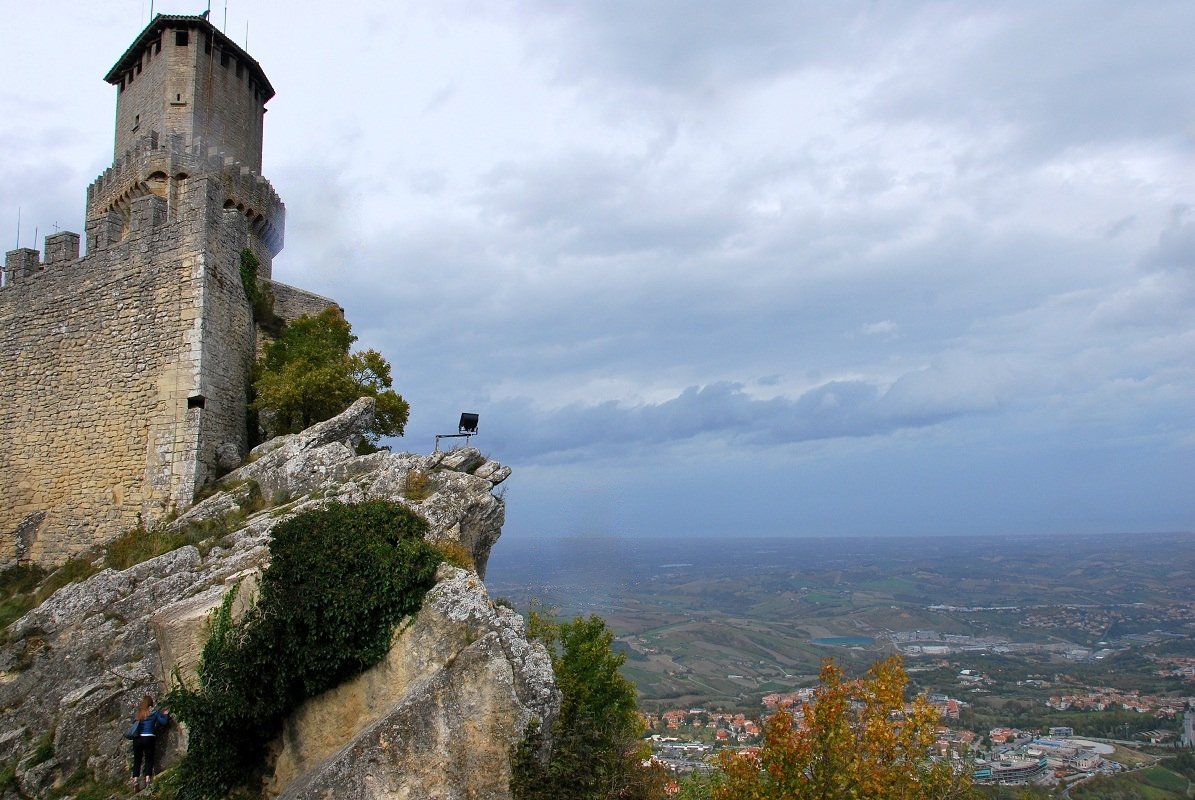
(437, 718)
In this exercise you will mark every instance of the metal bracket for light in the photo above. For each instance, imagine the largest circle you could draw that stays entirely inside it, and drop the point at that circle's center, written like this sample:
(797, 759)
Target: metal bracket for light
(466, 428)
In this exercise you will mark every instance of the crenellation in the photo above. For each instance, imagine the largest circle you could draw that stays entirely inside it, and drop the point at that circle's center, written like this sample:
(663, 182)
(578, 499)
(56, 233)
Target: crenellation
(20, 264)
(162, 167)
(62, 248)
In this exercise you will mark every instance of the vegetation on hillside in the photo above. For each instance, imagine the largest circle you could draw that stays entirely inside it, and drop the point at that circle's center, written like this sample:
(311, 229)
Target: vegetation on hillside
(1152, 783)
(260, 298)
(308, 375)
(339, 580)
(24, 586)
(857, 739)
(596, 749)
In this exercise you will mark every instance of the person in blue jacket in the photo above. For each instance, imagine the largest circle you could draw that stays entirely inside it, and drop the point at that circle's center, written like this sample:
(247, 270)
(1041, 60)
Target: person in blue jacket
(148, 720)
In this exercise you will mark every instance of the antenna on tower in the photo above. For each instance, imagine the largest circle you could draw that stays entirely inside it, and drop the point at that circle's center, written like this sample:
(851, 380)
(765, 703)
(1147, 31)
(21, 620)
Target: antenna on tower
(246, 36)
(225, 30)
(18, 245)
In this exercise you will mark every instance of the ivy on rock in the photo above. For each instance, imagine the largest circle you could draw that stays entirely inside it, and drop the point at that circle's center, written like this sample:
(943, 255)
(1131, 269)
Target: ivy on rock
(340, 579)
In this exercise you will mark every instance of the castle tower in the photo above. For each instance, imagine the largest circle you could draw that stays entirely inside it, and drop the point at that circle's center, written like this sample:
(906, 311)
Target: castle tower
(126, 371)
(190, 100)
(184, 77)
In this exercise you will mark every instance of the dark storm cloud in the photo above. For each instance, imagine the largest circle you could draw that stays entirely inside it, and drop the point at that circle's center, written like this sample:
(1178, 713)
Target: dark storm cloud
(726, 411)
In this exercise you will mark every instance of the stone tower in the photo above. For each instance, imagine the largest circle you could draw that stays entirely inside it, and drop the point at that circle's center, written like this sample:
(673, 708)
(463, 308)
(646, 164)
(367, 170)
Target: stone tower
(189, 85)
(126, 371)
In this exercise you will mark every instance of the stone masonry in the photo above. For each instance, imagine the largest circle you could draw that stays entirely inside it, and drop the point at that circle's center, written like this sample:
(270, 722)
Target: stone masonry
(125, 370)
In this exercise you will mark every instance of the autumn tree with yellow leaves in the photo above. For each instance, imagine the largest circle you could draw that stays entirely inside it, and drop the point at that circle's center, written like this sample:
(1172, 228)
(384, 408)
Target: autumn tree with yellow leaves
(856, 740)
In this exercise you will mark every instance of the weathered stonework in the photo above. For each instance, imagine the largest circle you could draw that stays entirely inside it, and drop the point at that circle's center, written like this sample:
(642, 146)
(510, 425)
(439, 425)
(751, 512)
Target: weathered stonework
(126, 370)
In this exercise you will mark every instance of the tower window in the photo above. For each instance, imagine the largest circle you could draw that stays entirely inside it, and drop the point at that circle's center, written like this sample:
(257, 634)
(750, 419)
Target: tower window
(240, 68)
(182, 38)
(224, 59)
(196, 401)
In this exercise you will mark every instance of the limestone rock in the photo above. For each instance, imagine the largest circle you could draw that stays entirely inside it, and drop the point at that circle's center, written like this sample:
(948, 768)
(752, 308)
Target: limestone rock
(436, 718)
(228, 456)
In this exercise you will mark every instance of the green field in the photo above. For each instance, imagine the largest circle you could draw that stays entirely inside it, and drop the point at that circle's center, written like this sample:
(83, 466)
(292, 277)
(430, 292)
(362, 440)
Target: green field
(687, 626)
(1151, 783)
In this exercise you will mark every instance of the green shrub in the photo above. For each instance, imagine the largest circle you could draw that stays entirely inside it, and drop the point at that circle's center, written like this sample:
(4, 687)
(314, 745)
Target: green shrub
(43, 752)
(17, 586)
(20, 579)
(138, 545)
(339, 581)
(308, 375)
(261, 299)
(596, 749)
(13, 608)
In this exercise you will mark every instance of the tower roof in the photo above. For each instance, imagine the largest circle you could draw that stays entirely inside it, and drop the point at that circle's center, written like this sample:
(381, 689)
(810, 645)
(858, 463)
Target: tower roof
(163, 21)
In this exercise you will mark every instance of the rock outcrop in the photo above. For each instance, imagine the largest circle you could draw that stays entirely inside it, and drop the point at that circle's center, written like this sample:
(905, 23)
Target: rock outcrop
(437, 718)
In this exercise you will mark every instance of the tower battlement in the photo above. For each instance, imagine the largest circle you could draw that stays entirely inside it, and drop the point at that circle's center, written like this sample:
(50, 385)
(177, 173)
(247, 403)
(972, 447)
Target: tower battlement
(162, 168)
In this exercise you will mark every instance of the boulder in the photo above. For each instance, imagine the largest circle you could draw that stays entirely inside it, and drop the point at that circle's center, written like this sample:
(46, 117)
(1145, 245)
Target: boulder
(436, 718)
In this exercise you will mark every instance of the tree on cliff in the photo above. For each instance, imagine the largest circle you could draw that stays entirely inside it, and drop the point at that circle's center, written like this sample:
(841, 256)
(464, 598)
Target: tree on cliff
(596, 752)
(857, 739)
(308, 375)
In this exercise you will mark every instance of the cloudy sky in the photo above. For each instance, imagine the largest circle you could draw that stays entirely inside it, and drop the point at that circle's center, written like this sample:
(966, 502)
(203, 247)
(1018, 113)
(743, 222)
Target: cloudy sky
(768, 268)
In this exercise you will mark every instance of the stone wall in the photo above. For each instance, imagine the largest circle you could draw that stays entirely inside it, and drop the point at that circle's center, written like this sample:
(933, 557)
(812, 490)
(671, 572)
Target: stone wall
(229, 103)
(123, 371)
(141, 103)
(290, 303)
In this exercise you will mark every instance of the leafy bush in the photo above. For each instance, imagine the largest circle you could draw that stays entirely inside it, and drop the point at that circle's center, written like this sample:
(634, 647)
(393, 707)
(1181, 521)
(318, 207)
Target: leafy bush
(858, 740)
(596, 749)
(339, 581)
(308, 375)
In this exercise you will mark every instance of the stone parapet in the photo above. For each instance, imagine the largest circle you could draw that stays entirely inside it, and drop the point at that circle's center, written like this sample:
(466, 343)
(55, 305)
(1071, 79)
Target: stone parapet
(156, 166)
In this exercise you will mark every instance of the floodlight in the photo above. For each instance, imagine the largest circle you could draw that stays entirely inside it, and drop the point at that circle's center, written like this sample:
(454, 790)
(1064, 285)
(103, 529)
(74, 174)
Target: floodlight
(466, 428)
